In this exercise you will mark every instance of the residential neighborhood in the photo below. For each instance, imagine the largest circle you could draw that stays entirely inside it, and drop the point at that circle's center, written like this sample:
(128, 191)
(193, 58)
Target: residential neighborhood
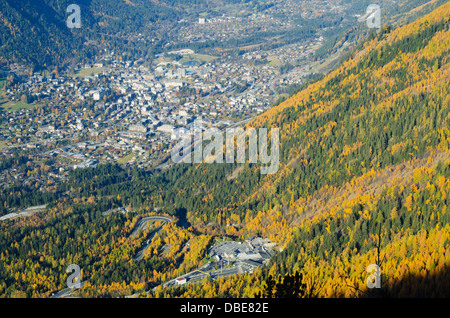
(133, 112)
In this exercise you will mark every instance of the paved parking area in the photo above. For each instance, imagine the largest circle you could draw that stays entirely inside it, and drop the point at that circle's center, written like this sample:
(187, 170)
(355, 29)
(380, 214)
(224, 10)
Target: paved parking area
(229, 248)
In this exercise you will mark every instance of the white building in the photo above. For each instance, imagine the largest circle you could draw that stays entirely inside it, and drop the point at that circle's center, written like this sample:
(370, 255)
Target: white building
(173, 84)
(179, 133)
(180, 280)
(97, 95)
(166, 129)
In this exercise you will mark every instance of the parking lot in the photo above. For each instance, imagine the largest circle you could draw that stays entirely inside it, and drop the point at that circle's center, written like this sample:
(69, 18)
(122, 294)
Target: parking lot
(229, 248)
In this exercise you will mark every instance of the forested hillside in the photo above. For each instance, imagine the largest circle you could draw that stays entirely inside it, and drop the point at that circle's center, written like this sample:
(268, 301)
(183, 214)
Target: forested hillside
(35, 33)
(364, 174)
(364, 179)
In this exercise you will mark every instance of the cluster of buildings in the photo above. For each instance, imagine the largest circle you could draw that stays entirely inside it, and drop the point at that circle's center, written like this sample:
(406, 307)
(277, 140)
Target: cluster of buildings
(132, 111)
(230, 258)
(255, 252)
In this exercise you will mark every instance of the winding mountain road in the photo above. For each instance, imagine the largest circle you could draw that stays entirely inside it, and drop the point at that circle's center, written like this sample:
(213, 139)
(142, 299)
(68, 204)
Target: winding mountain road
(143, 225)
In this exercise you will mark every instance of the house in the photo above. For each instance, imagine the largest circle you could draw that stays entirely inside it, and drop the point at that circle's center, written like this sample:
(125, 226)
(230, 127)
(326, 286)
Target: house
(173, 84)
(180, 281)
(166, 128)
(97, 95)
(138, 128)
(179, 133)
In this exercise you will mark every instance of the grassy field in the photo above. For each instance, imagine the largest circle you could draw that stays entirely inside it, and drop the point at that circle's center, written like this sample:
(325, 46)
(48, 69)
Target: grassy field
(274, 62)
(3, 144)
(13, 106)
(2, 84)
(126, 158)
(88, 71)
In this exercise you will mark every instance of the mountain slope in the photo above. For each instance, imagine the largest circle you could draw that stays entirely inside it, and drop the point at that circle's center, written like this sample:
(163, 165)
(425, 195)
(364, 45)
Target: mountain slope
(364, 179)
(35, 32)
(364, 175)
